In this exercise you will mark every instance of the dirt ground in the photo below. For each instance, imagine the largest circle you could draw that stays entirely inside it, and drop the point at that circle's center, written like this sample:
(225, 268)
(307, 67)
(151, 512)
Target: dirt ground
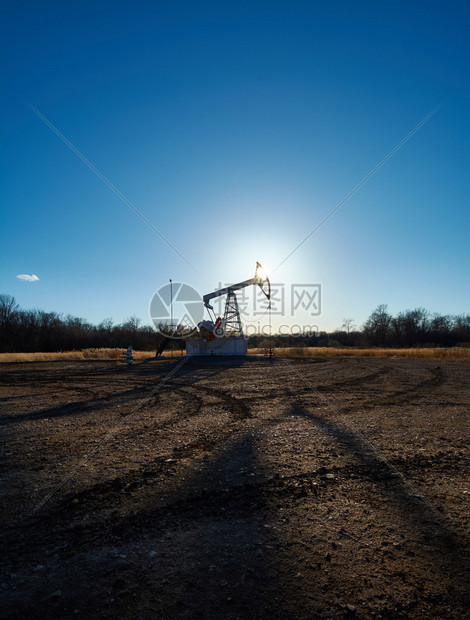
(319, 488)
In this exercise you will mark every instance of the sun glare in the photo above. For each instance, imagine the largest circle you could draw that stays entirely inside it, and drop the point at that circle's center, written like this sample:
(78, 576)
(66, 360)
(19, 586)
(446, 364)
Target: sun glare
(261, 272)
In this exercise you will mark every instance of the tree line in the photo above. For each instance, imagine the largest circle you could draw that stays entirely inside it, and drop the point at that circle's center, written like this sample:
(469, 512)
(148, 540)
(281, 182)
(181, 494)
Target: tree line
(415, 327)
(410, 328)
(28, 331)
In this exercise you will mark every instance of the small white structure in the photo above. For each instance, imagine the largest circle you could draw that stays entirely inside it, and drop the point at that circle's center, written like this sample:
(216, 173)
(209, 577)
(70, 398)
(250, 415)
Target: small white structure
(128, 355)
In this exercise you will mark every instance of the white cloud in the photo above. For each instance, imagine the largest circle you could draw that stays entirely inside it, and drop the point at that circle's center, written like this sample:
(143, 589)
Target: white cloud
(27, 278)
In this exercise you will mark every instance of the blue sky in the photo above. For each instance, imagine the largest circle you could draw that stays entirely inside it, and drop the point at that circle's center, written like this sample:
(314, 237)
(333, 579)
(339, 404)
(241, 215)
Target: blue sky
(235, 128)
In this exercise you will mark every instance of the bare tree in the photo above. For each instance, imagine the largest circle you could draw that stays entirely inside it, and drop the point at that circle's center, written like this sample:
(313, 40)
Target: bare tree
(131, 327)
(377, 327)
(8, 309)
(348, 325)
(106, 324)
(132, 323)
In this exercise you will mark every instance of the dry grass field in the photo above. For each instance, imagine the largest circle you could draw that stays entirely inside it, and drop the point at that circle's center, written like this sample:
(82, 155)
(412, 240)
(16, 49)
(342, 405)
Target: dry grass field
(451, 353)
(64, 356)
(454, 353)
(327, 486)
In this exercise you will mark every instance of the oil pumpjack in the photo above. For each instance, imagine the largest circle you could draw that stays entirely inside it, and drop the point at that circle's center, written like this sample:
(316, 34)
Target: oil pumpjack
(224, 335)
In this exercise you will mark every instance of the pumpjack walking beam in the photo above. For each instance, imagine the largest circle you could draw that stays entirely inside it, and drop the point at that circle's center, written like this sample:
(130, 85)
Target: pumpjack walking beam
(259, 278)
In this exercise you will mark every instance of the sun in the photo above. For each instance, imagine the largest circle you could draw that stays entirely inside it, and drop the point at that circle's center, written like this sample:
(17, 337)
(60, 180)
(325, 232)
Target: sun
(261, 272)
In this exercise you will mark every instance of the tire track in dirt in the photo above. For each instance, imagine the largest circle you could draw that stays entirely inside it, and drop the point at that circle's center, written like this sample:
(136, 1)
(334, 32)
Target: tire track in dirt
(402, 395)
(335, 385)
(373, 399)
(436, 379)
(163, 464)
(80, 407)
(353, 382)
(236, 406)
(105, 495)
(165, 498)
(190, 406)
(316, 485)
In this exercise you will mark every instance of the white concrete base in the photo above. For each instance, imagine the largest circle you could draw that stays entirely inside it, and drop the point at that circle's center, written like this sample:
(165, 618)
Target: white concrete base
(233, 345)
